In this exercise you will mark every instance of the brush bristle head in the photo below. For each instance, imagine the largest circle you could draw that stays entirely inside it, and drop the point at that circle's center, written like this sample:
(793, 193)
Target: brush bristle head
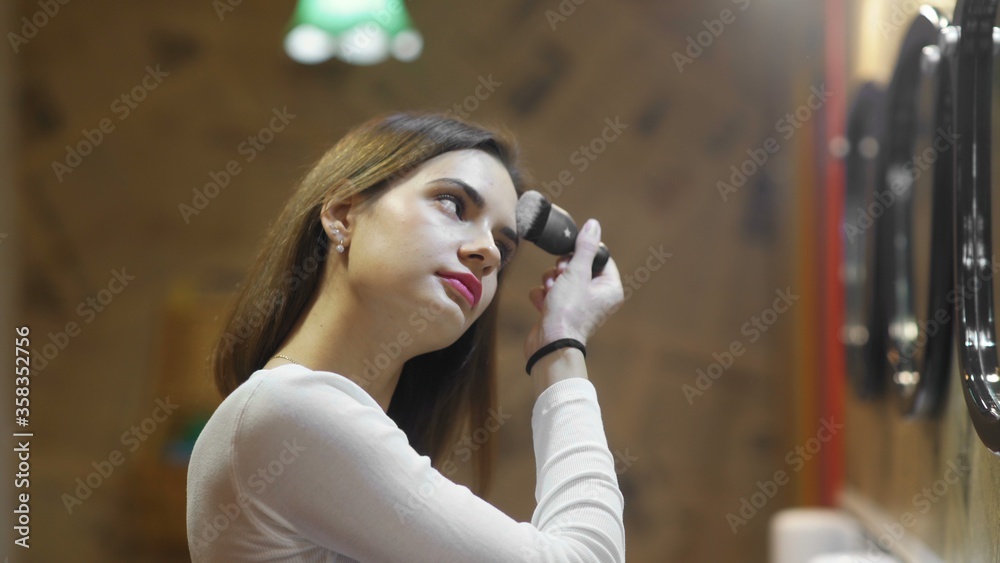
(531, 213)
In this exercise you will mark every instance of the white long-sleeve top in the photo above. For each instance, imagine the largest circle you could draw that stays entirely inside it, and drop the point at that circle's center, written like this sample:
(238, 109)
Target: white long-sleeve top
(303, 465)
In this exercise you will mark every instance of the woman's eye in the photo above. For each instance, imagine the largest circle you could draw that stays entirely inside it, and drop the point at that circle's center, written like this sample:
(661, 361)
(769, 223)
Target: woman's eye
(505, 252)
(453, 199)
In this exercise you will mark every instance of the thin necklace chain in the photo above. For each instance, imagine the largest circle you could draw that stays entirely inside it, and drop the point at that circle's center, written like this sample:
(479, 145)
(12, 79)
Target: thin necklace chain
(287, 358)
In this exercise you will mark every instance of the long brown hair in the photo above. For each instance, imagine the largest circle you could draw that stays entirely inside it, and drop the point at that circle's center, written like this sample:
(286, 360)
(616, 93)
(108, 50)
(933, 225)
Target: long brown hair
(438, 392)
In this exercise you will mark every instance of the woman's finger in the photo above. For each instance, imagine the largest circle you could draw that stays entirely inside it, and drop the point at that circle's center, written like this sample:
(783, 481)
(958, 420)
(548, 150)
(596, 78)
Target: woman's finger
(549, 277)
(537, 297)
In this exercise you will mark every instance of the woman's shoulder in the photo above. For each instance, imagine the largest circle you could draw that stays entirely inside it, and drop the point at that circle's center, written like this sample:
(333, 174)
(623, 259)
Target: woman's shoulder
(295, 405)
(289, 390)
(293, 399)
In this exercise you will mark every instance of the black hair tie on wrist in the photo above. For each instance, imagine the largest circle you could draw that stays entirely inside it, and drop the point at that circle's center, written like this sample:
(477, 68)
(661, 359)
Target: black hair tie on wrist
(553, 346)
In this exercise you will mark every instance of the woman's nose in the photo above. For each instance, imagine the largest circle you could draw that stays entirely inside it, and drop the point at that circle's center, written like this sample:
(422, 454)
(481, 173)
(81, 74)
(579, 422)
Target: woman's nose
(483, 250)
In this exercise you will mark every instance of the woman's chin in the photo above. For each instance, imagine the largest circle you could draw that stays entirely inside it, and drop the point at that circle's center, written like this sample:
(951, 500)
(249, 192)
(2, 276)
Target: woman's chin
(440, 314)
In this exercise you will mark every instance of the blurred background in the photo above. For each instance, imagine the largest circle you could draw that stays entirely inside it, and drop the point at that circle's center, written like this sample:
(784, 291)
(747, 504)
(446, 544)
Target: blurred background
(703, 135)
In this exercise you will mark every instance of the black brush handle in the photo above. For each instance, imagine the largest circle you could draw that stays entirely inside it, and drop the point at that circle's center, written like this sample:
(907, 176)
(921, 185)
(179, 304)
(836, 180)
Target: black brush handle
(600, 259)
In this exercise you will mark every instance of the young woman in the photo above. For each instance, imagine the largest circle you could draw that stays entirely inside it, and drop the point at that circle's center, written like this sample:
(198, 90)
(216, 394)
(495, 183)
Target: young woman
(361, 350)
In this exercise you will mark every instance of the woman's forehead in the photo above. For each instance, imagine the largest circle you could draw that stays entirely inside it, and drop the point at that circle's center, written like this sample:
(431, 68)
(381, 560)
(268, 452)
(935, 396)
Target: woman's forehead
(472, 162)
(477, 169)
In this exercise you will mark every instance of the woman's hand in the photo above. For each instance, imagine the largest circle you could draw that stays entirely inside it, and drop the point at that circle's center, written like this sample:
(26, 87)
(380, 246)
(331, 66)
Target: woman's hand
(572, 303)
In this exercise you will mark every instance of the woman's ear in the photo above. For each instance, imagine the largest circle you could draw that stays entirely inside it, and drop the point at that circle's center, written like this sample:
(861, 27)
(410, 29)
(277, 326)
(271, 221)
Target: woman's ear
(337, 215)
(342, 214)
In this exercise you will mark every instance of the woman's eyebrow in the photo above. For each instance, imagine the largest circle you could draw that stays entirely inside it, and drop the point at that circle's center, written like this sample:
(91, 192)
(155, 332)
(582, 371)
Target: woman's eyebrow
(479, 202)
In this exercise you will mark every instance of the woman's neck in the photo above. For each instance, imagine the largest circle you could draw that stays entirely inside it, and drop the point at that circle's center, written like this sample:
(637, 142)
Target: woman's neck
(335, 338)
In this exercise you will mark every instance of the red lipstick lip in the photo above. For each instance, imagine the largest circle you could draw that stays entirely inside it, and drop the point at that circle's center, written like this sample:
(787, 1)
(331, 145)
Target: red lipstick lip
(471, 283)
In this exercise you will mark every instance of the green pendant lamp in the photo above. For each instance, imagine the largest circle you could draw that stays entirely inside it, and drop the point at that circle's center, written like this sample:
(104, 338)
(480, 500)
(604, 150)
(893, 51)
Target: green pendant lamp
(361, 32)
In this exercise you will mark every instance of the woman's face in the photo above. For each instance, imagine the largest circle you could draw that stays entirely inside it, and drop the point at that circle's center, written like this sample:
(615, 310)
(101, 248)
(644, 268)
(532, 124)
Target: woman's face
(426, 253)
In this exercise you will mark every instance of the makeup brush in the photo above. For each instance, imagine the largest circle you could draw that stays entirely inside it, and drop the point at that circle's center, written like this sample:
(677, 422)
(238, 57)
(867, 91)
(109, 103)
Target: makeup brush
(551, 228)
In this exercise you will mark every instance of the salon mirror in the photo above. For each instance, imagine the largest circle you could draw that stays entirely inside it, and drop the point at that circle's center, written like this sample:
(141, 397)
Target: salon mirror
(914, 175)
(864, 307)
(974, 79)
